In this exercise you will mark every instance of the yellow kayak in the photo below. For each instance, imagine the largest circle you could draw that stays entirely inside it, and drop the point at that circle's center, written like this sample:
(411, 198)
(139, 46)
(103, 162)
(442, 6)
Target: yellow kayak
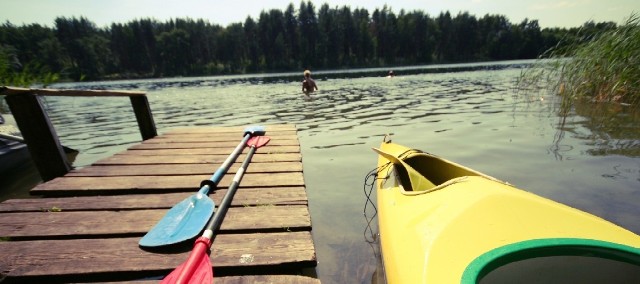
(442, 223)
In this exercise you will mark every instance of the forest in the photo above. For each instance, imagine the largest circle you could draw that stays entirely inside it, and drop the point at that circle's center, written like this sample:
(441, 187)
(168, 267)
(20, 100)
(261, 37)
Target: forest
(76, 49)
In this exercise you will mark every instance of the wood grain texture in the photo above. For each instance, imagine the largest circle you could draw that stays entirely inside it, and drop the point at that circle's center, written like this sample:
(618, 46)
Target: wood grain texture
(194, 159)
(83, 224)
(81, 257)
(157, 144)
(210, 151)
(157, 184)
(244, 197)
(181, 169)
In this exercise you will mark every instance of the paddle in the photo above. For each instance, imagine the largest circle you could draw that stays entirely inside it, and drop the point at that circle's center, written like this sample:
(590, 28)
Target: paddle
(197, 268)
(186, 219)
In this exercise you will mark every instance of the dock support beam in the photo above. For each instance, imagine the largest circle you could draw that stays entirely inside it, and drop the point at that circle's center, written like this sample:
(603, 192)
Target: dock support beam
(40, 136)
(142, 110)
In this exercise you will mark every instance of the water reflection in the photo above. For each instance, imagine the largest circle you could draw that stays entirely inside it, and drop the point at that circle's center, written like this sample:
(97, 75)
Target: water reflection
(611, 129)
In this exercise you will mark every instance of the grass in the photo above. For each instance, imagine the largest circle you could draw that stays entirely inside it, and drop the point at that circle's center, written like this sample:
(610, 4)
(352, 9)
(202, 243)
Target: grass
(604, 69)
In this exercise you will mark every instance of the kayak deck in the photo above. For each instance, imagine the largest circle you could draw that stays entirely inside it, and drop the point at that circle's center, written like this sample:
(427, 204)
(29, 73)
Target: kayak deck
(88, 223)
(441, 222)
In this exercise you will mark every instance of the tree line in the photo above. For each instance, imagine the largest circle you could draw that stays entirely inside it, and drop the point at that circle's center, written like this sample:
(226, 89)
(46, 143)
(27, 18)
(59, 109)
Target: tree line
(293, 39)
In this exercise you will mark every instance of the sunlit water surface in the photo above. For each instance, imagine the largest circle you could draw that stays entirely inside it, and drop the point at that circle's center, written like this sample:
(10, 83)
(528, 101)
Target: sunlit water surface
(470, 114)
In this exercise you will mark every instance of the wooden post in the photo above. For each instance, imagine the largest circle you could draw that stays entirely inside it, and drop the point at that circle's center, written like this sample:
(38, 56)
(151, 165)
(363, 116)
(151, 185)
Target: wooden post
(40, 136)
(144, 117)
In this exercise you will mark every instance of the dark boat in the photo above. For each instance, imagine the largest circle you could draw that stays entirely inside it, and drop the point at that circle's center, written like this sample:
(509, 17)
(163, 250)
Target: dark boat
(13, 150)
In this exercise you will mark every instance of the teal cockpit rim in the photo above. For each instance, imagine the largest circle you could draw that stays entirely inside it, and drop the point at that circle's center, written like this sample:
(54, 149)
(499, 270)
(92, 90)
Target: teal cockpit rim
(498, 257)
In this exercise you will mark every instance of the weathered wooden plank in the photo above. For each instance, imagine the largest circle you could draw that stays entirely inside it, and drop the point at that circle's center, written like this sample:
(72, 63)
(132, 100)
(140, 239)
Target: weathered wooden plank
(181, 169)
(209, 138)
(243, 197)
(121, 258)
(248, 279)
(82, 224)
(260, 157)
(266, 279)
(210, 151)
(220, 144)
(227, 132)
(156, 184)
(232, 129)
(229, 136)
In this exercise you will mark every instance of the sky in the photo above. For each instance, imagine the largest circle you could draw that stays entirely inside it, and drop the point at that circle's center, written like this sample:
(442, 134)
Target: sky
(549, 13)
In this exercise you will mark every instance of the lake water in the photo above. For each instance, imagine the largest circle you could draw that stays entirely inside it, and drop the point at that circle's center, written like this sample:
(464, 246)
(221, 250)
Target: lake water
(470, 114)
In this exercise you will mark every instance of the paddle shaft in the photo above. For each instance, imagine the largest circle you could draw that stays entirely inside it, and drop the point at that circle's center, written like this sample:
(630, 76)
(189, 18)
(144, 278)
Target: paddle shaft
(212, 182)
(216, 220)
(186, 219)
(204, 242)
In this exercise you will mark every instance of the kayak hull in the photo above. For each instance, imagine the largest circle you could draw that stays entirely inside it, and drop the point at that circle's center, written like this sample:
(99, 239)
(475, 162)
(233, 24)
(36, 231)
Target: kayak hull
(459, 223)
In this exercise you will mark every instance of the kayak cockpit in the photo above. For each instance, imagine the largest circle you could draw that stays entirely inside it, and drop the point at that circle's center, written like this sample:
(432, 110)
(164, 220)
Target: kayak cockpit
(417, 171)
(435, 169)
(558, 260)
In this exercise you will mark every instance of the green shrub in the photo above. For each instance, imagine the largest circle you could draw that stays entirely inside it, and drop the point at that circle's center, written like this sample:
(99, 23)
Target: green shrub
(12, 73)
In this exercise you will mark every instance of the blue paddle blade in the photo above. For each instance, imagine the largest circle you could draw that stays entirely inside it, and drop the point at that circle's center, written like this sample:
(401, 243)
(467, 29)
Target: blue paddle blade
(182, 222)
(255, 130)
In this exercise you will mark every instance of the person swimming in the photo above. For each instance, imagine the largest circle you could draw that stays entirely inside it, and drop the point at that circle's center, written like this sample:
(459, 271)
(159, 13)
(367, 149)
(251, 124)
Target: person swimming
(308, 84)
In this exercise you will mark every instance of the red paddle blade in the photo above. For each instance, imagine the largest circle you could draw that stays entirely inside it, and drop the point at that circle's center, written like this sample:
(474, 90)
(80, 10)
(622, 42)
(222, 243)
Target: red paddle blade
(258, 141)
(197, 269)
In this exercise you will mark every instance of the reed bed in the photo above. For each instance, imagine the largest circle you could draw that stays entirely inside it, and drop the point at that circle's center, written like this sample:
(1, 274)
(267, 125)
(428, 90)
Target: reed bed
(604, 69)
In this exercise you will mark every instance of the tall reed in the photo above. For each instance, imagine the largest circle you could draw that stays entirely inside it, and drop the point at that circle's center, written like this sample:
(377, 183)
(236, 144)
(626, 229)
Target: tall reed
(604, 69)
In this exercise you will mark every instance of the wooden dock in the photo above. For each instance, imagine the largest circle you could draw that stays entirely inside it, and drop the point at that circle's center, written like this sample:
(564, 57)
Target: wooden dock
(87, 226)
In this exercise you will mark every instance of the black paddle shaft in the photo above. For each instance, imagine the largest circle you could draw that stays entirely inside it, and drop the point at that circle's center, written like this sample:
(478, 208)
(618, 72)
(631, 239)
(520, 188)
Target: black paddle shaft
(216, 220)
